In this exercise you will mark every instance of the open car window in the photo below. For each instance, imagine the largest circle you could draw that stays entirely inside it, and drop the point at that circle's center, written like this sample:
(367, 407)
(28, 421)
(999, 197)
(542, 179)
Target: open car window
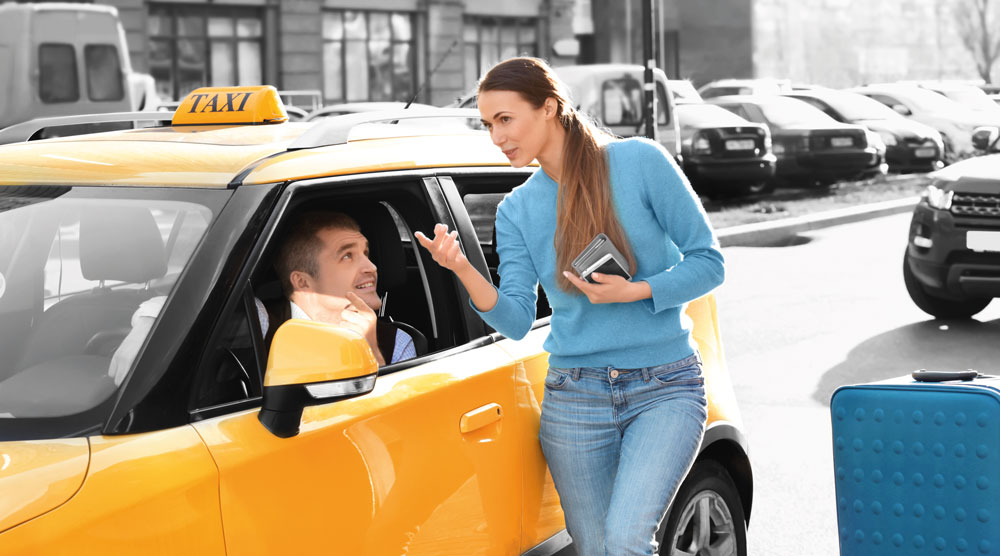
(86, 272)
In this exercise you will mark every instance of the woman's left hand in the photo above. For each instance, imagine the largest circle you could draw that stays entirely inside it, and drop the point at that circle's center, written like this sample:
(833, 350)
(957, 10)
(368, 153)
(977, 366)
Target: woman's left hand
(610, 288)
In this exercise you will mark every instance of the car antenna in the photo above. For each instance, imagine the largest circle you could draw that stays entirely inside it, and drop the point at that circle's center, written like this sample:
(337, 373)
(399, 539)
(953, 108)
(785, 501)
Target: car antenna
(420, 89)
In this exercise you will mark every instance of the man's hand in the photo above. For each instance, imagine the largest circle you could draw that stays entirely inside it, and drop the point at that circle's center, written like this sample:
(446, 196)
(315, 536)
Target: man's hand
(359, 317)
(445, 248)
(610, 288)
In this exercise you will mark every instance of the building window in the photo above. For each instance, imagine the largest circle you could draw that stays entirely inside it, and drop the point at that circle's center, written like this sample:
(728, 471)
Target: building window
(195, 46)
(368, 56)
(489, 40)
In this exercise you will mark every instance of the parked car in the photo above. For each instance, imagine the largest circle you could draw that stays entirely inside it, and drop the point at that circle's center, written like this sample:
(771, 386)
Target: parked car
(724, 154)
(910, 145)
(727, 87)
(951, 267)
(969, 96)
(810, 146)
(142, 411)
(954, 121)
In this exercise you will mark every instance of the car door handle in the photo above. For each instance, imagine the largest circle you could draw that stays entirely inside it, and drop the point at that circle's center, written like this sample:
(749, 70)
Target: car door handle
(480, 417)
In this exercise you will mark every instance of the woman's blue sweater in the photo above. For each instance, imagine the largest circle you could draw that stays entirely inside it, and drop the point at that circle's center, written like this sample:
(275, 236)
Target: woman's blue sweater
(672, 241)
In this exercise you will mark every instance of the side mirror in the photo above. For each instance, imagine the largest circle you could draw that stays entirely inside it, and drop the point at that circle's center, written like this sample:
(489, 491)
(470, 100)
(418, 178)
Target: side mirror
(899, 108)
(312, 363)
(984, 138)
(613, 111)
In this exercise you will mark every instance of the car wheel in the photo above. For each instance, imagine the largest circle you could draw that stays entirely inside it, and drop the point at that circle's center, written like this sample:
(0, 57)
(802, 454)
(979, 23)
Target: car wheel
(939, 307)
(706, 518)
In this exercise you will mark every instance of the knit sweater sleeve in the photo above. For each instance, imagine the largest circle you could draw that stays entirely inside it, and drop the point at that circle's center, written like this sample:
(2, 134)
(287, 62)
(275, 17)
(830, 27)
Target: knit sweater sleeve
(680, 214)
(515, 310)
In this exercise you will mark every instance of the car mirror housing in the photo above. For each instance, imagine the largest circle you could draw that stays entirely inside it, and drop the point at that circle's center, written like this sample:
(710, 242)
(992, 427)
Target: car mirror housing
(312, 363)
(984, 138)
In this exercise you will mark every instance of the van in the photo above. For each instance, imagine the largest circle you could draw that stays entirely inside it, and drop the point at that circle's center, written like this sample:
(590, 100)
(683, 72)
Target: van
(61, 59)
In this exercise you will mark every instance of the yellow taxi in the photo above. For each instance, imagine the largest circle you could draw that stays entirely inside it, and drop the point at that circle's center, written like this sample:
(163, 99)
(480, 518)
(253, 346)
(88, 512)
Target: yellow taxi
(141, 411)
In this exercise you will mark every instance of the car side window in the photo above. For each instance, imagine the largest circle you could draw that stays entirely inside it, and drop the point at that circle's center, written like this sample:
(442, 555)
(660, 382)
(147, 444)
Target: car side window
(663, 112)
(104, 72)
(481, 196)
(57, 77)
(231, 368)
(417, 297)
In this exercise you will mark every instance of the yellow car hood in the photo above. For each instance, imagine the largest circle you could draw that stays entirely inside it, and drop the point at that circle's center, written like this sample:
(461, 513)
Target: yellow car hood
(37, 476)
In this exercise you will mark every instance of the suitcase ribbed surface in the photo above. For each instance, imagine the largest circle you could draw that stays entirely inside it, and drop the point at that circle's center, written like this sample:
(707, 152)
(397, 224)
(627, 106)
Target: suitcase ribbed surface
(917, 469)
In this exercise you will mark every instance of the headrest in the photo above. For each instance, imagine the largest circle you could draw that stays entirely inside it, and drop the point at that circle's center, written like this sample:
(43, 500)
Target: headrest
(386, 248)
(121, 243)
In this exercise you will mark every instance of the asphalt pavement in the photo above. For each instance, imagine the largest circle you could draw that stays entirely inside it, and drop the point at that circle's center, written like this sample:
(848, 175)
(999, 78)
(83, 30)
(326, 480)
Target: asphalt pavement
(828, 308)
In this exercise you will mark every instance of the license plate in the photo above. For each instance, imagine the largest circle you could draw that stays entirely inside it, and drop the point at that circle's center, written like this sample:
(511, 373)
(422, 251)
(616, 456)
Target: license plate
(983, 241)
(842, 142)
(925, 153)
(740, 145)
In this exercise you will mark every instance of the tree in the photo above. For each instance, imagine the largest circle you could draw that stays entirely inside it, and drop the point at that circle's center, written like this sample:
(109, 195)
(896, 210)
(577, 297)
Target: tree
(978, 28)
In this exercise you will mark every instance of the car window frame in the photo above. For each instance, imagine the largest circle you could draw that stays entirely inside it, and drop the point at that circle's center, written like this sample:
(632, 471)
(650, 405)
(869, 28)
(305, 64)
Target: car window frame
(440, 206)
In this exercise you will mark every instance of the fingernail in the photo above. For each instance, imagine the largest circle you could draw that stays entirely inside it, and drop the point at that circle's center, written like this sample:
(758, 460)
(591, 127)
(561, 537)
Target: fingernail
(566, 273)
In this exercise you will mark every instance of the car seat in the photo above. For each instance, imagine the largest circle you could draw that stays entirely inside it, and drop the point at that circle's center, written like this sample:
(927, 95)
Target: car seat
(116, 244)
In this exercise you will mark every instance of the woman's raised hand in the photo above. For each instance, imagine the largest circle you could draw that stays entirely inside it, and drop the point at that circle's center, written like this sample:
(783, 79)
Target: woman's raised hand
(445, 248)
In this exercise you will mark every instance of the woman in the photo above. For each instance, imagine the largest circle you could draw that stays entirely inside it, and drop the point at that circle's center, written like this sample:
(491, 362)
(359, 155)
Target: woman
(624, 408)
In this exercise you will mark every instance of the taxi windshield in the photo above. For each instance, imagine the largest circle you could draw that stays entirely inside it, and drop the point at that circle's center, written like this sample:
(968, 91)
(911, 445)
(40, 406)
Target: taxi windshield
(84, 272)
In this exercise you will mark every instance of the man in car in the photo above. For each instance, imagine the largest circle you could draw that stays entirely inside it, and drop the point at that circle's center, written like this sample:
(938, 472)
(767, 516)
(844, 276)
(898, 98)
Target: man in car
(327, 276)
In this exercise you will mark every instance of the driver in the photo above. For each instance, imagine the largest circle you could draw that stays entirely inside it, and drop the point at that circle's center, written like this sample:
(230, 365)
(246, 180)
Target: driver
(327, 276)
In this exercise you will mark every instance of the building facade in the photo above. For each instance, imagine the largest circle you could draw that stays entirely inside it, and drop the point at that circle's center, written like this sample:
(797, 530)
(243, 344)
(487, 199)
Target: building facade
(350, 50)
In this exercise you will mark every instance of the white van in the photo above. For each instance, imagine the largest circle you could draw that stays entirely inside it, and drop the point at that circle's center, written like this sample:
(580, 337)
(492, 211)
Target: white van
(61, 59)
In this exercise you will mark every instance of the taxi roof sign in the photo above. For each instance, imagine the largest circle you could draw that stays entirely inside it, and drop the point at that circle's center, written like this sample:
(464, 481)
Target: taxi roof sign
(231, 106)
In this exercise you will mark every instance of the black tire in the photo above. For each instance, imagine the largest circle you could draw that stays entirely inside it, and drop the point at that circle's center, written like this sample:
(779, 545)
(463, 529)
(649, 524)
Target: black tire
(939, 307)
(709, 488)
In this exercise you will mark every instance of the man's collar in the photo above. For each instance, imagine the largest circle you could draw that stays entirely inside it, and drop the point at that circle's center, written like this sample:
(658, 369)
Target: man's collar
(298, 313)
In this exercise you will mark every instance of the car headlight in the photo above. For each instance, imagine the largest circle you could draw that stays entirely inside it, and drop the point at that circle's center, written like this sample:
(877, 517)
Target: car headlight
(888, 138)
(938, 198)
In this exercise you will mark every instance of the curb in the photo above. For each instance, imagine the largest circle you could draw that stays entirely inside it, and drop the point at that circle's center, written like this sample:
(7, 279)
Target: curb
(777, 232)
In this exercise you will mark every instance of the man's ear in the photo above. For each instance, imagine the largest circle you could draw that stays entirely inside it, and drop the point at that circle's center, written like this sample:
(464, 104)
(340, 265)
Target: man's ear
(301, 281)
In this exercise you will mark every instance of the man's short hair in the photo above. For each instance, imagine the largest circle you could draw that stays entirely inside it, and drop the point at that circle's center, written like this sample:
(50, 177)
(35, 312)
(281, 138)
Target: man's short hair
(302, 244)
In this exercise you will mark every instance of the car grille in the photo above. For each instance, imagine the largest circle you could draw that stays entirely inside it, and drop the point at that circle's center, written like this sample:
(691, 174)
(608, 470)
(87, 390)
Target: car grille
(976, 204)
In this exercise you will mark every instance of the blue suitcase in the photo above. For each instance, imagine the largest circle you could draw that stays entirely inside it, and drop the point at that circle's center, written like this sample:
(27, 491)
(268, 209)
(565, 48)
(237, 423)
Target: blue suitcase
(916, 465)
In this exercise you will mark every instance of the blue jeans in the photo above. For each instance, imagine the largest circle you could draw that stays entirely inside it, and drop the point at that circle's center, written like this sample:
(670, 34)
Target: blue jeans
(618, 443)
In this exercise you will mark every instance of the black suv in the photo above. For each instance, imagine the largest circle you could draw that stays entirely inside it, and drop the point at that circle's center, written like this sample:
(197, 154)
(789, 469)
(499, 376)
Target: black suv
(952, 262)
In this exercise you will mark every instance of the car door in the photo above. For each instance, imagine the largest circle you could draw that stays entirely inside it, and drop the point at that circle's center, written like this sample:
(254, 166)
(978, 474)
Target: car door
(426, 463)
(474, 199)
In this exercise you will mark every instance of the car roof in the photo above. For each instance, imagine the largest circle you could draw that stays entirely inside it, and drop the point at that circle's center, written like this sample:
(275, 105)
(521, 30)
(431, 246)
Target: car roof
(219, 156)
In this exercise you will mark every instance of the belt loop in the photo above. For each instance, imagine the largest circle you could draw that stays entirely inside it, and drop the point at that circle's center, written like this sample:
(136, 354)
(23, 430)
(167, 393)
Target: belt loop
(575, 373)
(645, 374)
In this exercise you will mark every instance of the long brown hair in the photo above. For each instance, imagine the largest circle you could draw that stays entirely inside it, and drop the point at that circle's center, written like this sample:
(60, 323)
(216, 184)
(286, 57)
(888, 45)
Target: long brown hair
(585, 207)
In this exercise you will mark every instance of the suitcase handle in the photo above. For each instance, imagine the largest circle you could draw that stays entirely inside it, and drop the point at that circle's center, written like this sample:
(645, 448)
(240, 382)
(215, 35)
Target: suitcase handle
(923, 375)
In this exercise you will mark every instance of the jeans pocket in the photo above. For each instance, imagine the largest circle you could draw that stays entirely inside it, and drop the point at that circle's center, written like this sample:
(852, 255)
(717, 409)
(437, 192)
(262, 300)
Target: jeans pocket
(683, 376)
(556, 379)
